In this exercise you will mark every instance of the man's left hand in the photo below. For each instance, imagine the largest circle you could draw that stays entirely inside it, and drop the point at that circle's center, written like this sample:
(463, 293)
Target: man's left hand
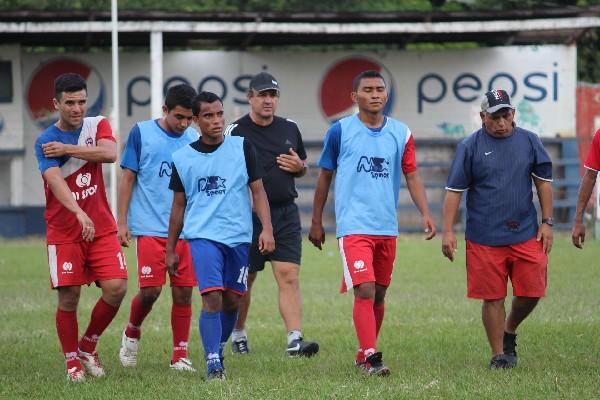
(545, 235)
(429, 228)
(290, 162)
(54, 149)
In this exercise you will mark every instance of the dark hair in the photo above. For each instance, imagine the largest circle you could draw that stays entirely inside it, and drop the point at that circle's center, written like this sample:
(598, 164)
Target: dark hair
(203, 97)
(69, 82)
(179, 95)
(365, 74)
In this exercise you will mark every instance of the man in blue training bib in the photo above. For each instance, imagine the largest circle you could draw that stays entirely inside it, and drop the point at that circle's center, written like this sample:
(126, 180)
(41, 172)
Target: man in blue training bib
(211, 204)
(496, 166)
(369, 152)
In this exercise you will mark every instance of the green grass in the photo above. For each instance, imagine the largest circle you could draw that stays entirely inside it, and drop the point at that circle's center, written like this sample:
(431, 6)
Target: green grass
(432, 338)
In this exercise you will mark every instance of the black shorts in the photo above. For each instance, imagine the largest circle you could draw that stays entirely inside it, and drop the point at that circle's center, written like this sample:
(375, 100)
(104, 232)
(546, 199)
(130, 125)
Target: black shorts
(288, 237)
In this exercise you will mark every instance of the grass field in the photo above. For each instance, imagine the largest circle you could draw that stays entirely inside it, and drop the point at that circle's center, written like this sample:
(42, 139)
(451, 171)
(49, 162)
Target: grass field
(432, 338)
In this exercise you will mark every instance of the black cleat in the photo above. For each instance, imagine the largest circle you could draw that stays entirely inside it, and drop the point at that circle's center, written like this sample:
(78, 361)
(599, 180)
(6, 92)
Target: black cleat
(509, 347)
(216, 375)
(374, 364)
(501, 361)
(240, 346)
(300, 348)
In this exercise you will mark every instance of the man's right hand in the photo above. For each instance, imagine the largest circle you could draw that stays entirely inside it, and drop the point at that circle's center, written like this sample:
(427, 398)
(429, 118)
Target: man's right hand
(124, 234)
(172, 262)
(449, 245)
(578, 234)
(316, 235)
(87, 226)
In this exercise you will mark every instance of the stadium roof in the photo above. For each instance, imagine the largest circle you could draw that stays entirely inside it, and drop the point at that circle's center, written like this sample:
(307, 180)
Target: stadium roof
(244, 29)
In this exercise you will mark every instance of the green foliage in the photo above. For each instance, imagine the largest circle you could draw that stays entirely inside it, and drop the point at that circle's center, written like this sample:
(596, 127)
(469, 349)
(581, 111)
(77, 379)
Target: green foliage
(588, 57)
(432, 338)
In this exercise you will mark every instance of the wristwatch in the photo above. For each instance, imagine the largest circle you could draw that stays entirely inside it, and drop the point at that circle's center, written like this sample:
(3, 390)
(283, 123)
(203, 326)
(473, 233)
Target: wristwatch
(548, 221)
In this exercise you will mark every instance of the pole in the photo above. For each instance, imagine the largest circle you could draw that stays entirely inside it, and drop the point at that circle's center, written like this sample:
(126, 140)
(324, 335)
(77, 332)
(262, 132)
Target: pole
(115, 110)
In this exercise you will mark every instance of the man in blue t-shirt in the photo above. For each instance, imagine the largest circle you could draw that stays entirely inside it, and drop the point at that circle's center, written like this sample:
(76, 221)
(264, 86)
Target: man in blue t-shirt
(143, 211)
(211, 205)
(369, 153)
(496, 166)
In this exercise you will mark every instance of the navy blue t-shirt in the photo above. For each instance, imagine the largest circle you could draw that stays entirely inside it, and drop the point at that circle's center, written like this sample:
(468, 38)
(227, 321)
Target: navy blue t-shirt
(497, 174)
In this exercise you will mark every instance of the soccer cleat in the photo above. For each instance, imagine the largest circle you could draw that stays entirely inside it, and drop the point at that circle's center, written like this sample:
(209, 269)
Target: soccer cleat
(128, 351)
(375, 365)
(183, 364)
(216, 375)
(240, 346)
(500, 361)
(301, 348)
(361, 365)
(509, 347)
(91, 363)
(76, 374)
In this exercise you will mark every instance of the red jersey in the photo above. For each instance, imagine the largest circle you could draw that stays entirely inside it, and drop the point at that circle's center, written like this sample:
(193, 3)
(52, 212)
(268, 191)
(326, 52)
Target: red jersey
(593, 158)
(84, 179)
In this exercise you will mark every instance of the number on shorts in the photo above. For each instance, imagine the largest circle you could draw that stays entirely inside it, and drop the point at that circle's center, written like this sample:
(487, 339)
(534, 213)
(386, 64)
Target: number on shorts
(243, 278)
(121, 260)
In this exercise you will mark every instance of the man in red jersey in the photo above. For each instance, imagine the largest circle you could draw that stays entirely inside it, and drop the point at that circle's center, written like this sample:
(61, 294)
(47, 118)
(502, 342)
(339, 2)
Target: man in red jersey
(81, 231)
(588, 181)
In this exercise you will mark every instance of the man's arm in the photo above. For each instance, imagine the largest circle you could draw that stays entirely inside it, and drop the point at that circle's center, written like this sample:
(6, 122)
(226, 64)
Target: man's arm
(61, 191)
(266, 242)
(128, 179)
(585, 191)
(105, 151)
(175, 228)
(544, 191)
(317, 234)
(450, 210)
(419, 197)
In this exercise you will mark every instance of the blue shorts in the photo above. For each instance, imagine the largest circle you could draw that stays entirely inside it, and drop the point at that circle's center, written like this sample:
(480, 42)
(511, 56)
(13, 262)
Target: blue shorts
(220, 267)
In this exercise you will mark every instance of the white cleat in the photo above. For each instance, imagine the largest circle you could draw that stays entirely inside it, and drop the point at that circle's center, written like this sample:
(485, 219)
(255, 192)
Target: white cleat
(128, 351)
(91, 363)
(183, 364)
(76, 374)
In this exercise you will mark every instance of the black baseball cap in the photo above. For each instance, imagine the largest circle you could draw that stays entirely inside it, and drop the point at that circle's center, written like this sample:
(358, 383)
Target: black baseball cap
(264, 81)
(495, 100)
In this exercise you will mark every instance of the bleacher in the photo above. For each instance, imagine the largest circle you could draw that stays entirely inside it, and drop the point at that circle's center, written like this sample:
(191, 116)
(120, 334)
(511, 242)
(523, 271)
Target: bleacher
(434, 157)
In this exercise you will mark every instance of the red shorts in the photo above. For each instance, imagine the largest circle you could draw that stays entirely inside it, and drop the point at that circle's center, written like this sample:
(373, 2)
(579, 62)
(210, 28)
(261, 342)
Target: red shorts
(80, 263)
(151, 267)
(367, 258)
(489, 267)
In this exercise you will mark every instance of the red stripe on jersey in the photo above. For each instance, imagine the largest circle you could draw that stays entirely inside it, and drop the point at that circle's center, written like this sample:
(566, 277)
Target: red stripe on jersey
(409, 159)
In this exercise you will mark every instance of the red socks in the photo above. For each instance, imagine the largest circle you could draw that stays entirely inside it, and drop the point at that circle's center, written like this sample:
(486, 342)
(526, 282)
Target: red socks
(102, 314)
(137, 315)
(364, 323)
(379, 311)
(181, 318)
(67, 330)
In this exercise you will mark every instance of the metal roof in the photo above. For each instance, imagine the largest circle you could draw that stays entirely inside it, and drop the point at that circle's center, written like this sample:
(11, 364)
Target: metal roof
(243, 29)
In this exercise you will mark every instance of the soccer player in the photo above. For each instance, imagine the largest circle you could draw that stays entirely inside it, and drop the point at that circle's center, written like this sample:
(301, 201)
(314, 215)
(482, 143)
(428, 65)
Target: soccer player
(369, 151)
(496, 166)
(281, 153)
(80, 229)
(592, 166)
(143, 211)
(211, 204)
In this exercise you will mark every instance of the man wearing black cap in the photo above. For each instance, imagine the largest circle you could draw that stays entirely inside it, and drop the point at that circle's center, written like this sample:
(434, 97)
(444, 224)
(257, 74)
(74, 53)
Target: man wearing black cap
(281, 151)
(496, 166)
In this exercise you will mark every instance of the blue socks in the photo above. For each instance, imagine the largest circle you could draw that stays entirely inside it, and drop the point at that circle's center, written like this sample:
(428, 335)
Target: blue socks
(210, 332)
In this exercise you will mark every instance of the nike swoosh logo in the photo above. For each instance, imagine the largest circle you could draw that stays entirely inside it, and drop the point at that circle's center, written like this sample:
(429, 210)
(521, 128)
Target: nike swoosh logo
(487, 153)
(295, 348)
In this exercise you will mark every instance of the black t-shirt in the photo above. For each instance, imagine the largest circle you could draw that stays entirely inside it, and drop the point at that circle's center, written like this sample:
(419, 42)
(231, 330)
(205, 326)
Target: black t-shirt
(253, 167)
(271, 141)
